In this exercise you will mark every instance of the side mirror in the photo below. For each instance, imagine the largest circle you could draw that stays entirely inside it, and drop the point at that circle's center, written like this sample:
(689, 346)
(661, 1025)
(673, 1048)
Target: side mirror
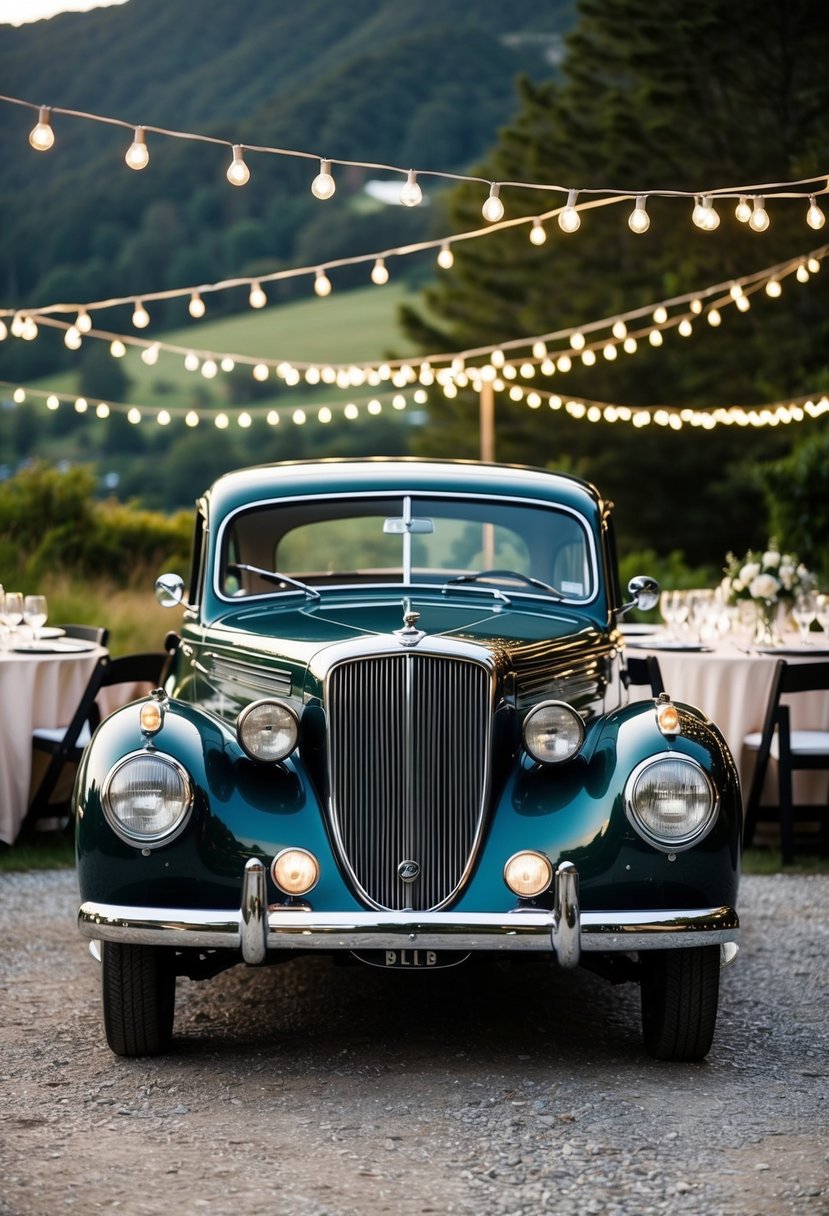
(169, 590)
(644, 591)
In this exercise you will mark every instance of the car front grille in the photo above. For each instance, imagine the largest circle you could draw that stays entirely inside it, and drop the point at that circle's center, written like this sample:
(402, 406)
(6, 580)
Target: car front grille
(409, 759)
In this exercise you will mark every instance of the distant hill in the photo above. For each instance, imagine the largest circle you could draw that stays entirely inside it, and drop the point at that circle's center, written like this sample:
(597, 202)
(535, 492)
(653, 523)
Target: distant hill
(425, 83)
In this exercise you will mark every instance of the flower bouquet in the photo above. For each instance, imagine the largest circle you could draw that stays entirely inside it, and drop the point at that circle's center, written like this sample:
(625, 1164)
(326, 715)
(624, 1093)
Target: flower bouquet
(768, 579)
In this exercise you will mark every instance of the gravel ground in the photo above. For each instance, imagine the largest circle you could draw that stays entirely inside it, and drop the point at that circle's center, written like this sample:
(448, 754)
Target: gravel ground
(344, 1091)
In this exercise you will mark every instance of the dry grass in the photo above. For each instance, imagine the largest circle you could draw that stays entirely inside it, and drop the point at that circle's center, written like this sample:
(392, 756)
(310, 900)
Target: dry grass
(134, 619)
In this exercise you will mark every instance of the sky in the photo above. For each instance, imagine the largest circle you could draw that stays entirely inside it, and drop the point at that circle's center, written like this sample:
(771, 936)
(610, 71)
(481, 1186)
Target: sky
(17, 12)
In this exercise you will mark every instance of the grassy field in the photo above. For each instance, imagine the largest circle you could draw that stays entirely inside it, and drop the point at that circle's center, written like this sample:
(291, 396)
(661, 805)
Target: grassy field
(346, 327)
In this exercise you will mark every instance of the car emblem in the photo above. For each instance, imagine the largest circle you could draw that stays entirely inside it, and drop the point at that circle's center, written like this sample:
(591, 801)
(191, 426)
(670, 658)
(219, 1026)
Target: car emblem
(409, 635)
(408, 871)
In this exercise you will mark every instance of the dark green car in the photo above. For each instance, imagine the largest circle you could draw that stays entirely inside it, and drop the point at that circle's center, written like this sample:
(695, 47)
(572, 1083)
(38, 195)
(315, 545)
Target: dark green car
(397, 725)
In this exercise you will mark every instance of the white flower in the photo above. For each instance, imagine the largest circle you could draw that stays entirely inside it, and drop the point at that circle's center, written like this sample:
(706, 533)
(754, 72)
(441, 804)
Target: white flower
(771, 559)
(738, 584)
(764, 587)
(749, 571)
(787, 575)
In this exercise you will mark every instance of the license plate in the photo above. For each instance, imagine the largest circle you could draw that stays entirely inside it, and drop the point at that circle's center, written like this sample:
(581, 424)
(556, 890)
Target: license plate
(411, 958)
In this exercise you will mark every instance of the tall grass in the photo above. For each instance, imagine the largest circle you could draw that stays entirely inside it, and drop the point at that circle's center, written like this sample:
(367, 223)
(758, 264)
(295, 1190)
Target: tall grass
(136, 622)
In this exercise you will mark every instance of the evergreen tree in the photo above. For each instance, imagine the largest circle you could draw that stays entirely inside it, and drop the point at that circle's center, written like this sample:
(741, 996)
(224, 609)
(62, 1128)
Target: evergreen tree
(653, 95)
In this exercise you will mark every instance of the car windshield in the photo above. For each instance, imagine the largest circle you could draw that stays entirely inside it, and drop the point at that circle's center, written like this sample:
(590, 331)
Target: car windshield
(409, 540)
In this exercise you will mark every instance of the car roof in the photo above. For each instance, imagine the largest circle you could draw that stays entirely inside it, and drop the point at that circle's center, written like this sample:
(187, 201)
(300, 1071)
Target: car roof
(376, 474)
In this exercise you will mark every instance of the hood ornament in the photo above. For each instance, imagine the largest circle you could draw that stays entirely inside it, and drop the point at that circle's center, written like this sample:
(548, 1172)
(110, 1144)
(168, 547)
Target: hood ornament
(409, 635)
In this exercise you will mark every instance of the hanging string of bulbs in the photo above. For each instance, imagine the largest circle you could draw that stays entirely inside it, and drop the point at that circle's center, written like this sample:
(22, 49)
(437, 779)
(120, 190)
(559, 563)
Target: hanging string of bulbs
(777, 413)
(751, 199)
(583, 343)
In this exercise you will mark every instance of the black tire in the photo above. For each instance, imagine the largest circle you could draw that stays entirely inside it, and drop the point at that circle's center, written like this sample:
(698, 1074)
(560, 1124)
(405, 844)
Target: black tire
(138, 984)
(680, 992)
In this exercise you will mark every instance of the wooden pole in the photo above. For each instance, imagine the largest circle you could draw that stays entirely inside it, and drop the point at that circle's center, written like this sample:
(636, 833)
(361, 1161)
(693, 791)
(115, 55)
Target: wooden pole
(487, 421)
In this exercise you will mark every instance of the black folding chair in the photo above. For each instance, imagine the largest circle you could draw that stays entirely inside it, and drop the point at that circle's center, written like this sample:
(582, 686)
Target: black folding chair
(644, 669)
(98, 634)
(792, 749)
(65, 744)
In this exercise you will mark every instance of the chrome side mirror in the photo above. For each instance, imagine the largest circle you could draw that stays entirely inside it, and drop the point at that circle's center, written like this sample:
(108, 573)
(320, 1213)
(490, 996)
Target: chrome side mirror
(644, 591)
(169, 590)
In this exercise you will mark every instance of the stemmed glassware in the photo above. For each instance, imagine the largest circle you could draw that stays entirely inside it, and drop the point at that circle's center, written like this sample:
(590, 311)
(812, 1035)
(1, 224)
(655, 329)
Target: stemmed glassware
(12, 610)
(822, 612)
(35, 613)
(804, 612)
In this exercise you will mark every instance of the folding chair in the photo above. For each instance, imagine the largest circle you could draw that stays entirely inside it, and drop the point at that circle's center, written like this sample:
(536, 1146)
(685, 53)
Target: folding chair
(65, 744)
(98, 634)
(792, 749)
(644, 670)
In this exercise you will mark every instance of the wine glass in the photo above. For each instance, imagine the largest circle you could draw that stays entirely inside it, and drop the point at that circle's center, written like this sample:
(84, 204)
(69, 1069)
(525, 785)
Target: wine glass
(12, 610)
(804, 611)
(822, 612)
(35, 613)
(666, 609)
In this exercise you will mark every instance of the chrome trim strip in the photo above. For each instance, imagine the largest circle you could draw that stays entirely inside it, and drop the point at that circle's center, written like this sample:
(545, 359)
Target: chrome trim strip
(300, 929)
(566, 935)
(253, 932)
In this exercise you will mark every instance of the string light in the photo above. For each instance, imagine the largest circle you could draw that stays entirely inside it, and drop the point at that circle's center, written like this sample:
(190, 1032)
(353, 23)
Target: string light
(140, 317)
(759, 221)
(814, 216)
(569, 219)
(323, 185)
(411, 195)
(138, 154)
(257, 297)
(493, 208)
(41, 136)
(774, 288)
(379, 273)
(72, 339)
(238, 174)
(196, 307)
(742, 210)
(538, 234)
(639, 221)
(117, 349)
(322, 283)
(83, 322)
(445, 258)
(802, 273)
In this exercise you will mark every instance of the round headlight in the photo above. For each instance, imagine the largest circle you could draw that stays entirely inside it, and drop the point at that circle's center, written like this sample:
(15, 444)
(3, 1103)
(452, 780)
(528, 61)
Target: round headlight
(553, 732)
(147, 798)
(671, 801)
(295, 871)
(268, 730)
(528, 874)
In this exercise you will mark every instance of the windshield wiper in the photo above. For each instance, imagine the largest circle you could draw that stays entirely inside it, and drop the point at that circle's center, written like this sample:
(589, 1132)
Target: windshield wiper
(456, 585)
(274, 576)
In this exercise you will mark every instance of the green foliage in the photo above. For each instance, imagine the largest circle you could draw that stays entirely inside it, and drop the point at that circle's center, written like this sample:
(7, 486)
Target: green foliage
(652, 95)
(797, 492)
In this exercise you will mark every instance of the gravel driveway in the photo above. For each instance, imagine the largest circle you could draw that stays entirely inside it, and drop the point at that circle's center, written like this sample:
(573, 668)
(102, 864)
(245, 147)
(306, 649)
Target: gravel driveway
(331, 1091)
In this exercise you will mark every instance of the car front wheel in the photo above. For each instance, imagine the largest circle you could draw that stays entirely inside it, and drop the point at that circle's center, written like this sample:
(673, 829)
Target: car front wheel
(139, 992)
(680, 992)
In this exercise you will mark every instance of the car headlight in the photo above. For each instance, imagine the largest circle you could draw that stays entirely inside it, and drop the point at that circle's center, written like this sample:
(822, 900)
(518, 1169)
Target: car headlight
(671, 801)
(268, 730)
(553, 732)
(147, 798)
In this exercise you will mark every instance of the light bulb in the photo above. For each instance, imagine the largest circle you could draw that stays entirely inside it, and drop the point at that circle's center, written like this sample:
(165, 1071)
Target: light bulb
(140, 317)
(655, 337)
(814, 216)
(759, 221)
(539, 349)
(379, 273)
(149, 354)
(619, 330)
(322, 284)
(138, 154)
(712, 219)
(72, 338)
(209, 369)
(742, 210)
(569, 219)
(698, 216)
(685, 328)
(774, 288)
(191, 361)
(261, 372)
(743, 303)
(83, 321)
(802, 273)
(493, 208)
(609, 352)
(577, 340)
(41, 136)
(191, 418)
(238, 174)
(446, 258)
(4, 333)
(117, 349)
(714, 317)
(696, 306)
(196, 306)
(813, 265)
(735, 291)
(257, 297)
(629, 345)
(323, 185)
(660, 314)
(538, 234)
(411, 194)
(227, 364)
(639, 221)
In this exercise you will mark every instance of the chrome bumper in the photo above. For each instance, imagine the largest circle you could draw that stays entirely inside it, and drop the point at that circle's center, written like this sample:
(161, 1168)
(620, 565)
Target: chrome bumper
(254, 928)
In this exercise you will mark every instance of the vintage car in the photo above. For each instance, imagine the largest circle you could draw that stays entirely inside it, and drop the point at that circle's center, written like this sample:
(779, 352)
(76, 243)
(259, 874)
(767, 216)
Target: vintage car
(396, 725)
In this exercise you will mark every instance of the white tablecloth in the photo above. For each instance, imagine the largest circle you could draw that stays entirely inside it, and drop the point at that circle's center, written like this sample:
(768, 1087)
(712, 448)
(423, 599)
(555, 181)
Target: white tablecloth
(732, 687)
(36, 690)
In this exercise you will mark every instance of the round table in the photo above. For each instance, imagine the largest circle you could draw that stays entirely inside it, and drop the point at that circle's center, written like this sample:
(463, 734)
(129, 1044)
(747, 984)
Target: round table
(36, 690)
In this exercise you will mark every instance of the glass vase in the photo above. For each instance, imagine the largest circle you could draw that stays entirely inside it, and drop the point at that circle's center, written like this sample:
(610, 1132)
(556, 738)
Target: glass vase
(766, 632)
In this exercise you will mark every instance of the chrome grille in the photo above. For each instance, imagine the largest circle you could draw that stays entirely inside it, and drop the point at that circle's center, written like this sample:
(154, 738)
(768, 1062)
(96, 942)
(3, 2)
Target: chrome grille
(409, 758)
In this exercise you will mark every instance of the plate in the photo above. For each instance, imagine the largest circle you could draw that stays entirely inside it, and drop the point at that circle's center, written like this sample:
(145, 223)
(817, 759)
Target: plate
(657, 644)
(58, 646)
(820, 652)
(51, 631)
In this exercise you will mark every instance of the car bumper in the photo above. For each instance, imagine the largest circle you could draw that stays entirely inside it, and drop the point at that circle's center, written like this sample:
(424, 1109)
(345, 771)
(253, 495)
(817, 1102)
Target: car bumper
(254, 928)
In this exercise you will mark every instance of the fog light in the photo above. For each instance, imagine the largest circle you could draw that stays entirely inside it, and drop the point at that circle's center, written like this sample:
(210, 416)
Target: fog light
(528, 874)
(295, 871)
(151, 717)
